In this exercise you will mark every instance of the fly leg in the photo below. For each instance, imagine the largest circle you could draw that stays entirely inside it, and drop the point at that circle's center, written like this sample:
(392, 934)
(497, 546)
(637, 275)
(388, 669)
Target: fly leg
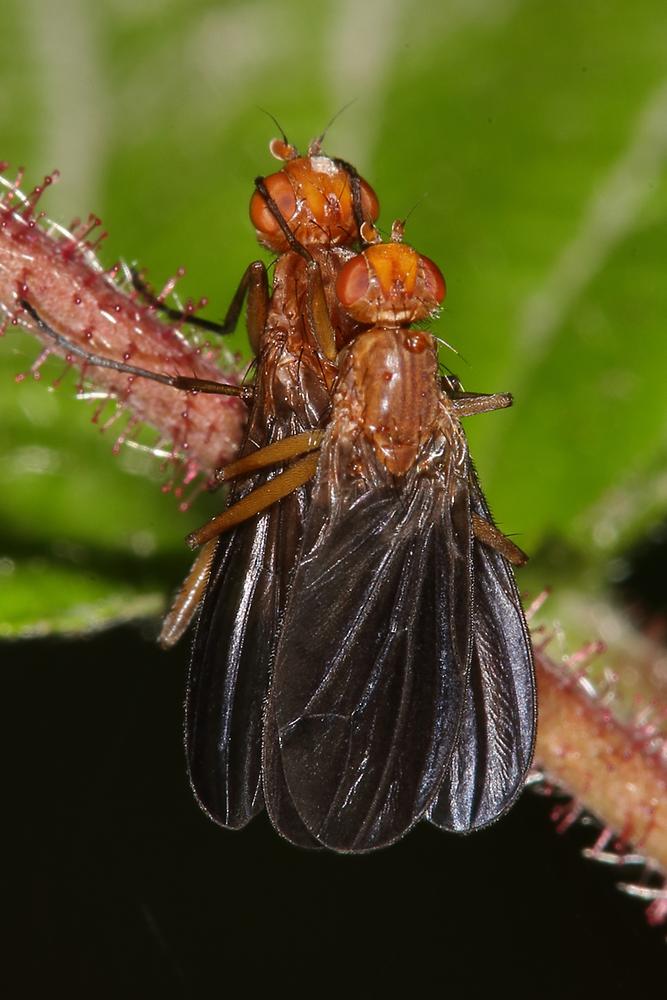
(261, 498)
(488, 534)
(188, 597)
(355, 187)
(317, 313)
(279, 451)
(183, 382)
(291, 240)
(467, 404)
(254, 283)
(269, 492)
(306, 444)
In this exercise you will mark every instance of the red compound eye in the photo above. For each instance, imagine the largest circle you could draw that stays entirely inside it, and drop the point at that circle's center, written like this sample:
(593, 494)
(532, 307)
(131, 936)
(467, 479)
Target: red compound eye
(370, 206)
(282, 192)
(433, 279)
(352, 283)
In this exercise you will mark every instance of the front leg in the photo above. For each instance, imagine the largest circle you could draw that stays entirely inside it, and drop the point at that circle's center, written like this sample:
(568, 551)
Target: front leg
(185, 383)
(254, 283)
(317, 313)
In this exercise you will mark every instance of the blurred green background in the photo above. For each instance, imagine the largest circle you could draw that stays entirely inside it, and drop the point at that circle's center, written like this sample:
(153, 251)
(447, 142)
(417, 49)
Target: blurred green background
(528, 138)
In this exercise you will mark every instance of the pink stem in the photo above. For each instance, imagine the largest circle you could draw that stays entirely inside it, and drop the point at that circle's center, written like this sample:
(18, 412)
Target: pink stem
(61, 278)
(614, 770)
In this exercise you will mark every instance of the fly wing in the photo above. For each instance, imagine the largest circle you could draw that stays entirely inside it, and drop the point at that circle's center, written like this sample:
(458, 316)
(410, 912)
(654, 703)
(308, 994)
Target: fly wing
(244, 604)
(370, 670)
(495, 746)
(279, 803)
(229, 672)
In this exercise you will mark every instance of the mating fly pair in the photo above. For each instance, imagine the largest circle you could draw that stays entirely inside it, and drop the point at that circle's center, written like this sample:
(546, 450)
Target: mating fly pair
(361, 659)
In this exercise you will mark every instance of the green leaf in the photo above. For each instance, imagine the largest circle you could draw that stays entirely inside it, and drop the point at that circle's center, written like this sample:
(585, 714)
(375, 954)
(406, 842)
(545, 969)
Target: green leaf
(39, 597)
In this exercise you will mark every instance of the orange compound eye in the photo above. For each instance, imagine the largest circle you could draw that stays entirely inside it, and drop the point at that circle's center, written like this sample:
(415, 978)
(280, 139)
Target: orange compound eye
(282, 192)
(370, 206)
(433, 279)
(353, 283)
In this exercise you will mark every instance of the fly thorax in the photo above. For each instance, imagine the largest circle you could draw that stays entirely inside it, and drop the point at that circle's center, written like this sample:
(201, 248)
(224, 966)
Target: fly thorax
(395, 386)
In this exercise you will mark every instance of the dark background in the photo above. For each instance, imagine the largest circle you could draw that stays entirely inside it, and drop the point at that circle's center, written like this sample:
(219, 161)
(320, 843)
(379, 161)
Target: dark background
(124, 888)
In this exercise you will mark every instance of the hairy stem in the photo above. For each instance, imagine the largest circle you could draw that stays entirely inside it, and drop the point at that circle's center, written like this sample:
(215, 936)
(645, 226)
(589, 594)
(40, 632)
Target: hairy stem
(57, 272)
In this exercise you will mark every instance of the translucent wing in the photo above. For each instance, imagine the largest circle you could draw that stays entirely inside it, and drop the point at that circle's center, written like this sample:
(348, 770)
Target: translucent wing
(495, 746)
(370, 670)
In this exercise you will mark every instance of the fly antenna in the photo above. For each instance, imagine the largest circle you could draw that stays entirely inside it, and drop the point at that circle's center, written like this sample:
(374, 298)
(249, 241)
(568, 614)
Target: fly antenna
(414, 207)
(276, 123)
(316, 144)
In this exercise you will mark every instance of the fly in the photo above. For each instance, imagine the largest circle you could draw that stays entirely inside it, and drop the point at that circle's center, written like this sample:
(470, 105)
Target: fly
(402, 684)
